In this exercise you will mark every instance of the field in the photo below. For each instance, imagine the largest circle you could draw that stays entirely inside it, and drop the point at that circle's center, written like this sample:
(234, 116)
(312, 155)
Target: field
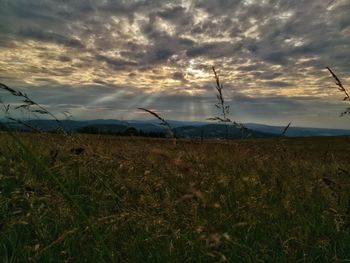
(85, 198)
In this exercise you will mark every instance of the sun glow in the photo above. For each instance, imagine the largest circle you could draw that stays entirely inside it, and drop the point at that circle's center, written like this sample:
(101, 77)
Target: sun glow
(192, 70)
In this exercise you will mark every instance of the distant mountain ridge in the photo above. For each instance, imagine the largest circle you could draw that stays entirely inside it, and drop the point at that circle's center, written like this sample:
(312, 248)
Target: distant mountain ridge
(298, 131)
(183, 129)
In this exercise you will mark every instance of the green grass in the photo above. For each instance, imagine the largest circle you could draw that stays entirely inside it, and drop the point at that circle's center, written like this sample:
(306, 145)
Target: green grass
(150, 200)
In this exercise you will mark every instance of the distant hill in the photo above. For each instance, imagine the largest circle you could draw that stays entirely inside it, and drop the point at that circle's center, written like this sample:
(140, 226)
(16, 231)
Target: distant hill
(182, 129)
(103, 129)
(218, 131)
(298, 131)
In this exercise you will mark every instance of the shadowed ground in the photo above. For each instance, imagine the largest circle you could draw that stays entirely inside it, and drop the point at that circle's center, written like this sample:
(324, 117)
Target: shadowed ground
(89, 198)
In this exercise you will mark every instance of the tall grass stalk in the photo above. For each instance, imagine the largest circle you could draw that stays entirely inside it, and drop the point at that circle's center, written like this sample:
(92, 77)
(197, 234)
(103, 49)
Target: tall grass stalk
(162, 122)
(28, 104)
(342, 89)
(286, 129)
(224, 109)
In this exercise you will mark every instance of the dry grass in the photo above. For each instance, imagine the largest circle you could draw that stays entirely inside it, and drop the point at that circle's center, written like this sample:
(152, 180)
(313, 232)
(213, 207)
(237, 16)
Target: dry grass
(224, 109)
(148, 200)
(342, 89)
(339, 84)
(286, 129)
(27, 103)
(162, 121)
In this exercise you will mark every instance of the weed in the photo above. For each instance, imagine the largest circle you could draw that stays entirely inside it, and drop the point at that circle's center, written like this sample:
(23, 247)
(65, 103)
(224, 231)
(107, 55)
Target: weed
(286, 129)
(341, 88)
(162, 121)
(339, 84)
(224, 109)
(27, 103)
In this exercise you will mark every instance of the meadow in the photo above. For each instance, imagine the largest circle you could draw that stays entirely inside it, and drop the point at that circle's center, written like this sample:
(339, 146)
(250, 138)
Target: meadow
(91, 198)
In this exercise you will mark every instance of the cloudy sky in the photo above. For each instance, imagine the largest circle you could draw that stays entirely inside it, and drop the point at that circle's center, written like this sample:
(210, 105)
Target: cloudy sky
(105, 58)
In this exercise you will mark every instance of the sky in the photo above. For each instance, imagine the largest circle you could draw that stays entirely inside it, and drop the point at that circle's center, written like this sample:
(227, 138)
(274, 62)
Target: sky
(101, 59)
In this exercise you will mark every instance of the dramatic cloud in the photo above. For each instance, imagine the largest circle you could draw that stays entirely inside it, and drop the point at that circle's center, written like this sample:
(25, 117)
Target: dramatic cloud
(106, 58)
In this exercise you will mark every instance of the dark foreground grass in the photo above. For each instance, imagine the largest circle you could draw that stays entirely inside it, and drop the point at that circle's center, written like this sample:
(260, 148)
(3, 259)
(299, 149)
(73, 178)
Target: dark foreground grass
(114, 199)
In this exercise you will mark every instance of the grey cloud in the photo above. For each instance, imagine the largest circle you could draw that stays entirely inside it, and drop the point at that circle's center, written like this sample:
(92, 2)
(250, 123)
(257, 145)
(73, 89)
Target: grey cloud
(199, 50)
(65, 58)
(268, 75)
(109, 96)
(172, 13)
(212, 50)
(186, 42)
(216, 7)
(251, 67)
(115, 63)
(37, 10)
(278, 84)
(140, 59)
(279, 109)
(162, 54)
(178, 76)
(276, 57)
(98, 81)
(38, 34)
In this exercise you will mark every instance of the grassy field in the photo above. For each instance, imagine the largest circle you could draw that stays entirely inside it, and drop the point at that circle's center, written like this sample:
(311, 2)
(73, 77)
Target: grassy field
(96, 198)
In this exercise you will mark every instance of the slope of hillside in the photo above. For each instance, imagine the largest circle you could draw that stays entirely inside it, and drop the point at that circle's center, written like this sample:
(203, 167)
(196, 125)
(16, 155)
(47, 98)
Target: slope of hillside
(182, 128)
